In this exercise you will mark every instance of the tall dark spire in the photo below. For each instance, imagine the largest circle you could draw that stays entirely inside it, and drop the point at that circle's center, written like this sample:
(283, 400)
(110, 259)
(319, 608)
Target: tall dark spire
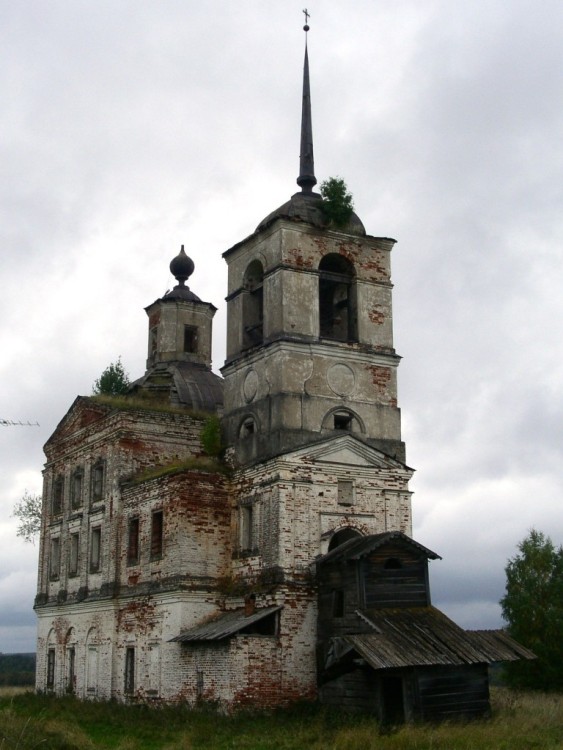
(306, 179)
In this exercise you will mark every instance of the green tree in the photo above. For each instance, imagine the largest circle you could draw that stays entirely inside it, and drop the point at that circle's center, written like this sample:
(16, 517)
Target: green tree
(338, 204)
(113, 381)
(533, 609)
(28, 512)
(211, 436)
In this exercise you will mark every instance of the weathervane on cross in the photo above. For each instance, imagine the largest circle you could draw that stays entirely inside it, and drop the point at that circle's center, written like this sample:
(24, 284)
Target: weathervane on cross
(307, 14)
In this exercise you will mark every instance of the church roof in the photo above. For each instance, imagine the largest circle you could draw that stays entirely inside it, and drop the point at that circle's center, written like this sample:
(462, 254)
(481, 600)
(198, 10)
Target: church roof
(188, 384)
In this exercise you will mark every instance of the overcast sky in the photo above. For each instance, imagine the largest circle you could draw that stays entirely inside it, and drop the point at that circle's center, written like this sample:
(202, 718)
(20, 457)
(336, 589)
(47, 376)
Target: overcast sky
(130, 127)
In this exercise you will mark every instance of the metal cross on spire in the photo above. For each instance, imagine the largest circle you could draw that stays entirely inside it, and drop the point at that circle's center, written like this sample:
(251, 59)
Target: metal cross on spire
(306, 179)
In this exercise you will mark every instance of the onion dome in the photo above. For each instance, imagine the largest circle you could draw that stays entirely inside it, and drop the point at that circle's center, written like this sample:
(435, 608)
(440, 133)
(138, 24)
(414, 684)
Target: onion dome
(182, 267)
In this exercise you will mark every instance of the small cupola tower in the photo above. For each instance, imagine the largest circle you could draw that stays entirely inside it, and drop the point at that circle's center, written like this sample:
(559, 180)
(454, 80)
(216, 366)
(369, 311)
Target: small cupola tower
(179, 346)
(309, 327)
(180, 324)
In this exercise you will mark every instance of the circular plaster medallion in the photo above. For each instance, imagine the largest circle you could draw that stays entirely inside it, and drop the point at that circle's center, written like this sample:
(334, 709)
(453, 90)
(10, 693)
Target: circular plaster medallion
(250, 385)
(341, 379)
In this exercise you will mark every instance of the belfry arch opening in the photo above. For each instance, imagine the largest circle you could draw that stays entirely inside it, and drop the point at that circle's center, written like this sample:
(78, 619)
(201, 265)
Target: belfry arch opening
(337, 299)
(253, 304)
(344, 535)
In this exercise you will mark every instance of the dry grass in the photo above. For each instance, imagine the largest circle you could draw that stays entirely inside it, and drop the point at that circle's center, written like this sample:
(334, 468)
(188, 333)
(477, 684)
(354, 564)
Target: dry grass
(520, 721)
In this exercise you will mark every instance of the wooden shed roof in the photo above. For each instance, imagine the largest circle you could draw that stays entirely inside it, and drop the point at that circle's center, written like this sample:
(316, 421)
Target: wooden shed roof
(424, 636)
(358, 547)
(224, 626)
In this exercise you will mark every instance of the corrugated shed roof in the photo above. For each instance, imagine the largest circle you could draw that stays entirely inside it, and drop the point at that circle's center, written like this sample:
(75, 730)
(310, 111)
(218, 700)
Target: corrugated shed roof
(224, 626)
(424, 636)
(356, 548)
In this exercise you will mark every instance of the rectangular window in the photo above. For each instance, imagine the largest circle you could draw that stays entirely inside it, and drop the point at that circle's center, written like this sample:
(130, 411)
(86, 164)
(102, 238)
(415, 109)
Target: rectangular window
(71, 677)
(58, 496)
(246, 528)
(51, 668)
(92, 670)
(76, 486)
(156, 534)
(199, 683)
(154, 669)
(55, 559)
(338, 603)
(73, 554)
(129, 669)
(190, 339)
(95, 549)
(133, 542)
(346, 492)
(98, 482)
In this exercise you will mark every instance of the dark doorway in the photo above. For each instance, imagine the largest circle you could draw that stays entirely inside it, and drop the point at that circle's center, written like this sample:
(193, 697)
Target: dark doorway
(392, 699)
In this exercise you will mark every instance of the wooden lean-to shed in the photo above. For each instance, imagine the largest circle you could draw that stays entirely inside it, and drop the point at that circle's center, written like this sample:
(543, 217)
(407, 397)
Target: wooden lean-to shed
(382, 646)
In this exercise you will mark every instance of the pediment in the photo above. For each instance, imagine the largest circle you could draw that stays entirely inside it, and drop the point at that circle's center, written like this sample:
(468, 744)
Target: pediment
(347, 450)
(83, 412)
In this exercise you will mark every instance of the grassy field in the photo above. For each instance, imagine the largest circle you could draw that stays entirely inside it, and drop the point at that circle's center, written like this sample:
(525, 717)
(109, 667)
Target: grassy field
(521, 721)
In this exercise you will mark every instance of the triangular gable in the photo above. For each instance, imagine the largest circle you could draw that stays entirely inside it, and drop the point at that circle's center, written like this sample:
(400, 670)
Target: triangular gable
(348, 450)
(83, 412)
(359, 547)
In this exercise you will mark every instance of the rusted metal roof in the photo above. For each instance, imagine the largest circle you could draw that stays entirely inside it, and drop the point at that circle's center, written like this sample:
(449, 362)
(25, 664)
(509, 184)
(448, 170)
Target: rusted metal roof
(188, 384)
(224, 626)
(358, 547)
(424, 636)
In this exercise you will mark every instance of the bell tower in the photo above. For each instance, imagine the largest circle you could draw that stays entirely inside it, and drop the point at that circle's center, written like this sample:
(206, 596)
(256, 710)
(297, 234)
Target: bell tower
(309, 327)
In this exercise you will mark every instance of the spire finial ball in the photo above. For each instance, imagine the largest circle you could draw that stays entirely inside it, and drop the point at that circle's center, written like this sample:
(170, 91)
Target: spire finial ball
(306, 27)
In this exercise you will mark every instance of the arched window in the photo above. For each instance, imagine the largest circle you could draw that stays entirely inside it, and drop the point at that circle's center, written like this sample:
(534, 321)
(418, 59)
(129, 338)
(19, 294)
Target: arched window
(343, 536)
(337, 301)
(253, 305)
(344, 420)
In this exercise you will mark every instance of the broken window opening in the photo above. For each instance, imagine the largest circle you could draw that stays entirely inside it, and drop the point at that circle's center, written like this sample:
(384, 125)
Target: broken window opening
(95, 549)
(190, 339)
(153, 340)
(253, 305)
(199, 683)
(58, 496)
(343, 536)
(343, 421)
(133, 542)
(337, 302)
(55, 559)
(50, 668)
(248, 427)
(157, 527)
(98, 482)
(393, 563)
(268, 625)
(129, 685)
(76, 487)
(71, 676)
(338, 603)
(73, 554)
